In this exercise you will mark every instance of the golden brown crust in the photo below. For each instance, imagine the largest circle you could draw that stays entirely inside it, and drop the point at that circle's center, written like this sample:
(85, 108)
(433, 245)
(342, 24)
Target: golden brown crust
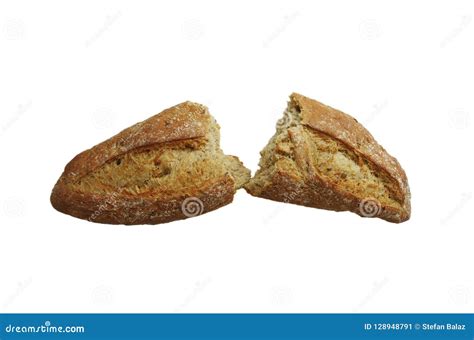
(183, 121)
(317, 193)
(119, 208)
(349, 131)
(307, 187)
(173, 126)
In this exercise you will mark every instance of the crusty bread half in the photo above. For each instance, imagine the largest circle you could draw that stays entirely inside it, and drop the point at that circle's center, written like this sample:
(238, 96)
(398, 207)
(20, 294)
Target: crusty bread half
(166, 168)
(323, 158)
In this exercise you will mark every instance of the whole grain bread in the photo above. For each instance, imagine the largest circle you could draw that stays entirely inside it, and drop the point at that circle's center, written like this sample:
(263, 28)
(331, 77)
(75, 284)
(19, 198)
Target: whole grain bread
(166, 168)
(323, 158)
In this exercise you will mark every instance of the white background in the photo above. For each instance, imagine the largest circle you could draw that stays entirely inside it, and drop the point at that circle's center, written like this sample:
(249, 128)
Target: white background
(74, 74)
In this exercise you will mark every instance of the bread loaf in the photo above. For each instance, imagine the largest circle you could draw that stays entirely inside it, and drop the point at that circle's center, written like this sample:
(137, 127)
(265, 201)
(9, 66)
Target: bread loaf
(166, 168)
(323, 158)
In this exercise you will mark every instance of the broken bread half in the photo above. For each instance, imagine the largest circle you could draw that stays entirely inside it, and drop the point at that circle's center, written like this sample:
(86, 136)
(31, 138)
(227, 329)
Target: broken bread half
(166, 168)
(323, 158)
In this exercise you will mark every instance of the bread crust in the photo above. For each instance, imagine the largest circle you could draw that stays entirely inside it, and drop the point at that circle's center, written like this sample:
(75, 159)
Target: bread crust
(175, 125)
(184, 121)
(313, 190)
(120, 208)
